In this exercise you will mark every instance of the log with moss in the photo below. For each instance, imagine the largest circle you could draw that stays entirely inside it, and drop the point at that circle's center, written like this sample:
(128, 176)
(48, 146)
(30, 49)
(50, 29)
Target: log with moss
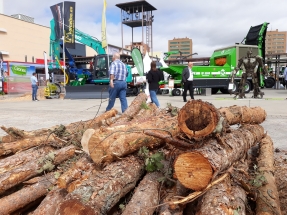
(107, 145)
(104, 189)
(195, 169)
(199, 119)
(35, 167)
(23, 157)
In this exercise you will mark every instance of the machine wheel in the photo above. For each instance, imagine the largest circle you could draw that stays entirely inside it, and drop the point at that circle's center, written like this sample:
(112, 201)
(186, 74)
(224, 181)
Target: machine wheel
(269, 82)
(176, 92)
(58, 89)
(247, 86)
(214, 90)
(159, 92)
(135, 91)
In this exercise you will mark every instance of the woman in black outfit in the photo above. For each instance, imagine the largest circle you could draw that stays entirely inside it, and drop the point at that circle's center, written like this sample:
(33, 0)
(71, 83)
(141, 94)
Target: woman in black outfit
(153, 77)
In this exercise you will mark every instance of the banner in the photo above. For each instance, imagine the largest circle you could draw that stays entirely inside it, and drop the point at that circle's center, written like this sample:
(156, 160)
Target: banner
(104, 31)
(69, 24)
(138, 60)
(57, 11)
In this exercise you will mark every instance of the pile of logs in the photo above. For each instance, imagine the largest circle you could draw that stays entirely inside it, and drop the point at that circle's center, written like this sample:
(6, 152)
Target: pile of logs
(193, 160)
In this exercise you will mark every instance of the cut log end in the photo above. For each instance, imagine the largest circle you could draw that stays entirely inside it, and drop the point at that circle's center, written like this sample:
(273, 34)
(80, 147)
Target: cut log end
(193, 170)
(197, 118)
(74, 206)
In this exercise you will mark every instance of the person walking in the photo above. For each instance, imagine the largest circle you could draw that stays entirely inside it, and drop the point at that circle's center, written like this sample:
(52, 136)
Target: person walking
(153, 77)
(118, 85)
(187, 80)
(34, 82)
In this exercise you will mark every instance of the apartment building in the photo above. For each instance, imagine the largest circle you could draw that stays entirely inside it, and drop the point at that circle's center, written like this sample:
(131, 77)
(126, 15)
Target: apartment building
(275, 42)
(183, 45)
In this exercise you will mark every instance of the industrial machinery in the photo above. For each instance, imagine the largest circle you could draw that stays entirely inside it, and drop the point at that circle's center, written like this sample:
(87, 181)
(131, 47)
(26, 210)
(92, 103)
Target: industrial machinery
(222, 62)
(82, 83)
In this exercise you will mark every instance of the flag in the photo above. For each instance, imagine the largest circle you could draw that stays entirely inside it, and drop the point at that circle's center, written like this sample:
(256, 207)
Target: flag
(104, 31)
(138, 60)
(69, 24)
(57, 11)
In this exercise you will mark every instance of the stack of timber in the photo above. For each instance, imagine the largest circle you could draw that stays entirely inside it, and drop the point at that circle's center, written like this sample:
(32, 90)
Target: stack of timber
(188, 160)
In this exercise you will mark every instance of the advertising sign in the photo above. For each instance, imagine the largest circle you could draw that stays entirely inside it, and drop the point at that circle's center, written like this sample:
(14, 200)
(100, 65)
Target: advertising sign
(69, 23)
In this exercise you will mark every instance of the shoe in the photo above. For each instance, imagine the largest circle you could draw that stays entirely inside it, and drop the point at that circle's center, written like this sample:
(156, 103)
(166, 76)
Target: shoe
(36, 100)
(184, 101)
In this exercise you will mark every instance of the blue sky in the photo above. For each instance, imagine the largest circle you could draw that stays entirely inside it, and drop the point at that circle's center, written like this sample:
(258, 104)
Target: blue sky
(210, 24)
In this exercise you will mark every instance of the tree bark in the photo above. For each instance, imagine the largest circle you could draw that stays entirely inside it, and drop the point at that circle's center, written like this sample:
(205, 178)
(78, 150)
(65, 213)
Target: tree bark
(34, 168)
(107, 145)
(177, 190)
(103, 190)
(51, 202)
(267, 202)
(243, 115)
(23, 144)
(75, 172)
(199, 119)
(132, 110)
(97, 121)
(27, 194)
(75, 184)
(196, 169)
(146, 196)
(21, 158)
(223, 199)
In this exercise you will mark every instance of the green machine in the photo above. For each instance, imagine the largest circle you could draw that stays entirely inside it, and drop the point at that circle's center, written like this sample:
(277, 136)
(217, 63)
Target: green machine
(222, 63)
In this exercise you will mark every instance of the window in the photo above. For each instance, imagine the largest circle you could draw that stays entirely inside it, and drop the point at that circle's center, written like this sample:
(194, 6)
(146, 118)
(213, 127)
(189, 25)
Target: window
(185, 42)
(173, 42)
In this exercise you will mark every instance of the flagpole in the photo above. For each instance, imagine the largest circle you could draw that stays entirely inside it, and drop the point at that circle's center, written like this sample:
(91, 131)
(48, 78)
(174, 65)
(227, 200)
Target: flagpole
(64, 54)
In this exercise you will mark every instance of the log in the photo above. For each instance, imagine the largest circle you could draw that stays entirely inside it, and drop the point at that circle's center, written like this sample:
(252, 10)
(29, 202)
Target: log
(21, 158)
(243, 114)
(146, 196)
(177, 190)
(51, 202)
(23, 144)
(104, 189)
(34, 168)
(267, 201)
(223, 199)
(199, 119)
(108, 145)
(28, 194)
(74, 172)
(98, 121)
(196, 169)
(75, 184)
(133, 109)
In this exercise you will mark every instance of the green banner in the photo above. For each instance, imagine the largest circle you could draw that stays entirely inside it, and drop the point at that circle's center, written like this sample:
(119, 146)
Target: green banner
(19, 70)
(138, 60)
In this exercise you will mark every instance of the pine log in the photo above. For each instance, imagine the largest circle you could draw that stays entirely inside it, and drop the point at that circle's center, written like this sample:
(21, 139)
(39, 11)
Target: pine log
(107, 145)
(51, 202)
(75, 184)
(223, 199)
(199, 119)
(7, 139)
(177, 190)
(28, 194)
(132, 110)
(34, 168)
(75, 172)
(196, 169)
(243, 114)
(145, 197)
(97, 121)
(23, 144)
(23, 157)
(267, 201)
(103, 189)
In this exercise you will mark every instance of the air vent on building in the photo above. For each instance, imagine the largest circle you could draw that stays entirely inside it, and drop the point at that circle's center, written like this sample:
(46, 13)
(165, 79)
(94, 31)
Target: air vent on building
(23, 17)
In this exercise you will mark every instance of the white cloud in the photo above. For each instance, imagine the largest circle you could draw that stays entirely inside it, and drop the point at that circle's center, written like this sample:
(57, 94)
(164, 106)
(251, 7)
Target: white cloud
(210, 24)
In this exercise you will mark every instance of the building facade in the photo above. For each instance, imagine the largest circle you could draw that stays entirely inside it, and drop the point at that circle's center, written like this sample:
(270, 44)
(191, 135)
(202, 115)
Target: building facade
(141, 46)
(183, 45)
(275, 42)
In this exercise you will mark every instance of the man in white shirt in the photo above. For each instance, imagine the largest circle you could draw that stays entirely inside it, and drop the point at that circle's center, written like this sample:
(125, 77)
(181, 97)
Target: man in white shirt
(187, 80)
(34, 82)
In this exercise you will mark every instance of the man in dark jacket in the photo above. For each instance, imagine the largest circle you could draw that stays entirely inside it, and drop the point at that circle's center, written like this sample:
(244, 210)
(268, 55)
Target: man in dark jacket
(187, 80)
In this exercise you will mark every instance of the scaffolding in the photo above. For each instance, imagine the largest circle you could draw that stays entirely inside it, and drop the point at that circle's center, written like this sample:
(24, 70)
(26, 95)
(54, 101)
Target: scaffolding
(138, 14)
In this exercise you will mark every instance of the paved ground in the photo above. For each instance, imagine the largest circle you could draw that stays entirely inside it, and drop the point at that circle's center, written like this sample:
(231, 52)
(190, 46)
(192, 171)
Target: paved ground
(30, 115)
